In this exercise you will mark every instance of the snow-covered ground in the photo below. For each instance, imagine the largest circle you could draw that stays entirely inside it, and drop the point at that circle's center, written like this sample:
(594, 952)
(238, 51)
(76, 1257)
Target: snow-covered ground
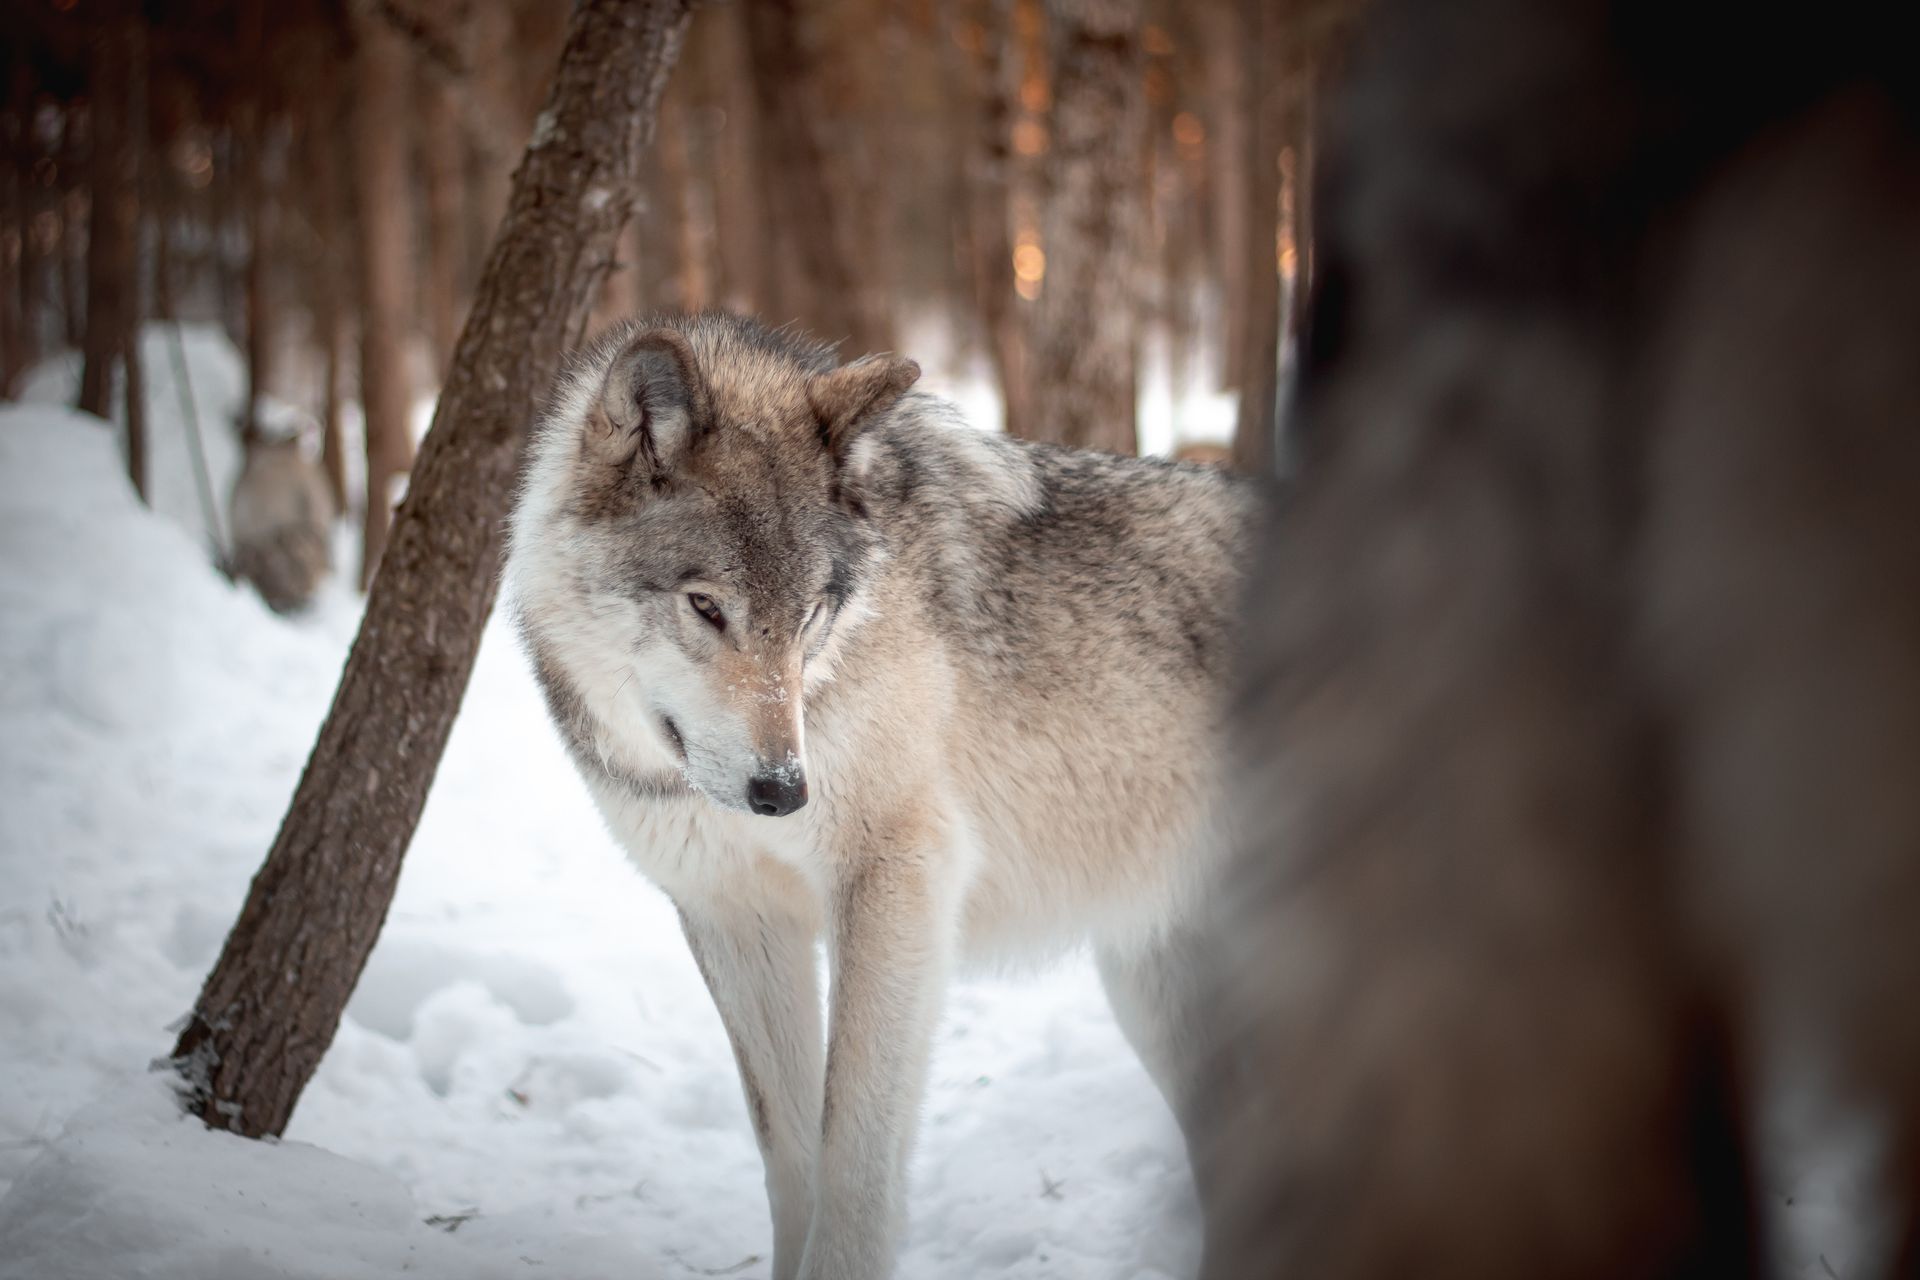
(530, 1080)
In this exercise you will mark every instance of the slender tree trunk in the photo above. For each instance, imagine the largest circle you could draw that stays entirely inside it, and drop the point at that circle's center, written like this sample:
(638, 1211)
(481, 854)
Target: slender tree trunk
(992, 77)
(1086, 332)
(26, 204)
(333, 295)
(274, 999)
(1254, 430)
(383, 67)
(262, 195)
(442, 156)
(748, 279)
(843, 298)
(75, 237)
(112, 250)
(691, 286)
(1229, 151)
(15, 316)
(133, 381)
(134, 384)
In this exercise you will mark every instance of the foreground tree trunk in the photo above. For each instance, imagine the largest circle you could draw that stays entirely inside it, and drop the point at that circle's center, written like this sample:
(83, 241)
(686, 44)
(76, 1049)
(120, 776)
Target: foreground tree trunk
(383, 66)
(274, 999)
(1082, 357)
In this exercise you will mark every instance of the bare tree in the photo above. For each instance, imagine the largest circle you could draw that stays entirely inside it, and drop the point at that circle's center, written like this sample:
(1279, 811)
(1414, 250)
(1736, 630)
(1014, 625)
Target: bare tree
(316, 906)
(1084, 335)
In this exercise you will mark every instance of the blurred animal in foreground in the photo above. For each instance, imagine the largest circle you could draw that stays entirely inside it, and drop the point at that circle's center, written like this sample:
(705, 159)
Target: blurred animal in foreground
(835, 666)
(1582, 728)
(282, 519)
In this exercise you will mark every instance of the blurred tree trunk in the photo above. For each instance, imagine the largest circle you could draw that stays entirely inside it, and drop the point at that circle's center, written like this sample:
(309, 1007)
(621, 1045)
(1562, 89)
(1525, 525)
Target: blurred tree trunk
(1273, 62)
(741, 214)
(18, 313)
(332, 294)
(274, 999)
(844, 293)
(382, 65)
(258, 182)
(74, 237)
(1229, 151)
(113, 230)
(443, 169)
(992, 76)
(263, 176)
(691, 283)
(1085, 333)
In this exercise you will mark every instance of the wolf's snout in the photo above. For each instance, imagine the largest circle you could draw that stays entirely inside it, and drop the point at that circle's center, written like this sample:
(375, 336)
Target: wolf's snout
(776, 795)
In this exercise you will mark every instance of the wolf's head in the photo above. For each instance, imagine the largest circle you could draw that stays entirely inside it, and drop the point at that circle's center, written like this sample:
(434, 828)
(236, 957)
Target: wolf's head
(691, 547)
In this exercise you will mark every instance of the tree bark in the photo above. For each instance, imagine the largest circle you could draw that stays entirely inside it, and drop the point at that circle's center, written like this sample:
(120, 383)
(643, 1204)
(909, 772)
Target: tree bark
(262, 195)
(1229, 151)
(73, 239)
(990, 207)
(1255, 428)
(383, 67)
(274, 999)
(331, 301)
(843, 299)
(443, 167)
(112, 234)
(740, 209)
(1086, 330)
(691, 284)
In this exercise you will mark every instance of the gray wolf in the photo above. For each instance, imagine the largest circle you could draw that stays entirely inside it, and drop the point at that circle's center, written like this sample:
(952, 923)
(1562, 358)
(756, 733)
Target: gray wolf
(281, 516)
(1580, 809)
(836, 667)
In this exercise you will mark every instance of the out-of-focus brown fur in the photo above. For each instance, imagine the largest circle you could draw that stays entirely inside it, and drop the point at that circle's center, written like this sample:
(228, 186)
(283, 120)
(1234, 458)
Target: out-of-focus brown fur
(1583, 715)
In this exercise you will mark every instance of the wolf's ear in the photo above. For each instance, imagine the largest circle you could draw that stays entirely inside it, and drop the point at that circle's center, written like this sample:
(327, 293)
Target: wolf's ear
(654, 401)
(850, 397)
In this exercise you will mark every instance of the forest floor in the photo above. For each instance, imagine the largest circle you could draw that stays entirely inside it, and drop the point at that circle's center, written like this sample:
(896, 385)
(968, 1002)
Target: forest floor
(530, 1080)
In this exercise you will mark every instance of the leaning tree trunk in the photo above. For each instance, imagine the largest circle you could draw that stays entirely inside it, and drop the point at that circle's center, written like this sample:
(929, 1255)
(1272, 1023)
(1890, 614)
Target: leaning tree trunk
(1084, 336)
(274, 999)
(385, 212)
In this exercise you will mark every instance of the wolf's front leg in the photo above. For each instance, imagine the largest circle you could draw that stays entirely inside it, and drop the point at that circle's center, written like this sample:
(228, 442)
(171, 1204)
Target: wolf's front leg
(759, 965)
(892, 944)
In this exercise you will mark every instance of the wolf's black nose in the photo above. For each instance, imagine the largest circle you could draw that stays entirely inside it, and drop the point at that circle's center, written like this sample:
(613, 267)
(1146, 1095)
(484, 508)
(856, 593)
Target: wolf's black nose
(776, 795)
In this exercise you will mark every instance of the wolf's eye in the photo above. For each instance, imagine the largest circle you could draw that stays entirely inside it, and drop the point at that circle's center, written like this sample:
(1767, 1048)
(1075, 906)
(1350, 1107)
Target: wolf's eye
(706, 608)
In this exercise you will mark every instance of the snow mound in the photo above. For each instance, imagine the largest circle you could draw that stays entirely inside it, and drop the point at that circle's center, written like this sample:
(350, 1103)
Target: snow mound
(135, 1179)
(530, 1061)
(216, 386)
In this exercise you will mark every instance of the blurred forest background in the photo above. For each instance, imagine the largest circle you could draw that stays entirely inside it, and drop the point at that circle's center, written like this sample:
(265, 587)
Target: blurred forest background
(1064, 199)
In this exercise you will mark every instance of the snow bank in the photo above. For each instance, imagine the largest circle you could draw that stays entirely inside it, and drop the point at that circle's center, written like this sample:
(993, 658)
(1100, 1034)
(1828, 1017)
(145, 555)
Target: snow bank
(133, 1183)
(530, 1058)
(217, 385)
